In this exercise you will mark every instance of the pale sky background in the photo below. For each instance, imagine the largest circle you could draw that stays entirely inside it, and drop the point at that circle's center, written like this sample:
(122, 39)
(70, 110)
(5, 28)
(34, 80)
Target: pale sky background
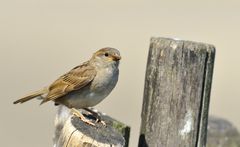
(42, 39)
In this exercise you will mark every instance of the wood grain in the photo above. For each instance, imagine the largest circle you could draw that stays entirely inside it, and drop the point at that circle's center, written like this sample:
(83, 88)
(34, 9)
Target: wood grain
(72, 132)
(176, 93)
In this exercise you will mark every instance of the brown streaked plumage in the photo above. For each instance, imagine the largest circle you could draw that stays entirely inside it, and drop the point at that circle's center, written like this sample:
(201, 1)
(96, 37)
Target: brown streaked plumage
(86, 84)
(75, 79)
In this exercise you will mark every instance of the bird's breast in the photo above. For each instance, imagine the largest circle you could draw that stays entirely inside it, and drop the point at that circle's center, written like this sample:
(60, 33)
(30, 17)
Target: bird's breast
(91, 95)
(105, 81)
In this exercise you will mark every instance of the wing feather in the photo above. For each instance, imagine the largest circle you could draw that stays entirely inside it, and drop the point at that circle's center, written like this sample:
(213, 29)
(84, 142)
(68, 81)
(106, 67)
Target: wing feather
(75, 79)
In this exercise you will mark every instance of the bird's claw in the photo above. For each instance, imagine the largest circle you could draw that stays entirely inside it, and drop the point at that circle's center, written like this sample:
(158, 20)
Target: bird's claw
(98, 120)
(81, 117)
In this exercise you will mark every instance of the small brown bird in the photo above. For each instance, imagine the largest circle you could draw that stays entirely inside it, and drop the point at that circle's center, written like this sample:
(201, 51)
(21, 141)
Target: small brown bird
(85, 85)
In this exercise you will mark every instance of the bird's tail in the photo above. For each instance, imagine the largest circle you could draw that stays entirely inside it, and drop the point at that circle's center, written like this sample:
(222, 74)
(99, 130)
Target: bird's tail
(32, 95)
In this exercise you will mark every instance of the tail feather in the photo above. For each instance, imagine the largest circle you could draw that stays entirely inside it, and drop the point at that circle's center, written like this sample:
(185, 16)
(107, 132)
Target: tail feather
(31, 96)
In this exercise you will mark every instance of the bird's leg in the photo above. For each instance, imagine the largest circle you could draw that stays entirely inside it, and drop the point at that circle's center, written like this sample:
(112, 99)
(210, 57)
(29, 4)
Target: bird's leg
(96, 115)
(80, 116)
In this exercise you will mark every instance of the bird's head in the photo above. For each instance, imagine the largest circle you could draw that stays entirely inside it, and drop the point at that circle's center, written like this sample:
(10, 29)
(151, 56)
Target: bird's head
(106, 57)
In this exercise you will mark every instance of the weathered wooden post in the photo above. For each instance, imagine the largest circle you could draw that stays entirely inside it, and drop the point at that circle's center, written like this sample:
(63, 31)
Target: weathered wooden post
(176, 95)
(70, 131)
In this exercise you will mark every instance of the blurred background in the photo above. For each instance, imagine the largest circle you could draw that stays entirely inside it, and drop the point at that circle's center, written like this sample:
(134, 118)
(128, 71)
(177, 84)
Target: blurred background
(42, 39)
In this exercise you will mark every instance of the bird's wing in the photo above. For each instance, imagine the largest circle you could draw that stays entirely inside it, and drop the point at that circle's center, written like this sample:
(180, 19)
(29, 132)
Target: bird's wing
(75, 79)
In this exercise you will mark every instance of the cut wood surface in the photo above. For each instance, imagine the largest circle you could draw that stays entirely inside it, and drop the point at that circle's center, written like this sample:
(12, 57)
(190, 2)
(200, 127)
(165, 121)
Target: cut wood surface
(176, 94)
(72, 132)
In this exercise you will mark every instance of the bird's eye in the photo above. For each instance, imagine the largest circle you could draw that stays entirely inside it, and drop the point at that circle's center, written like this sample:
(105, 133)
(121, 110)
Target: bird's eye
(106, 54)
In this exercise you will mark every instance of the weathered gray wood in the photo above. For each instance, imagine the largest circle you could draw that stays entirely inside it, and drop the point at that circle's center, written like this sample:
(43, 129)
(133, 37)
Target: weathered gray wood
(176, 95)
(72, 132)
(221, 133)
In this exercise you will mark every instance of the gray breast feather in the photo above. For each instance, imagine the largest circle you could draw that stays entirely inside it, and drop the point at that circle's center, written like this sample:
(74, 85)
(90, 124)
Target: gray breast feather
(91, 95)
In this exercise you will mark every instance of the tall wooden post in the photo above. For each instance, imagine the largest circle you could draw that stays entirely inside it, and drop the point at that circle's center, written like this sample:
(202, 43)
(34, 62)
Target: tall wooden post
(176, 94)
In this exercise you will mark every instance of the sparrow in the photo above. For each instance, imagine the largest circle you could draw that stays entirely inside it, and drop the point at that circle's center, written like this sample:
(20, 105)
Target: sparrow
(85, 85)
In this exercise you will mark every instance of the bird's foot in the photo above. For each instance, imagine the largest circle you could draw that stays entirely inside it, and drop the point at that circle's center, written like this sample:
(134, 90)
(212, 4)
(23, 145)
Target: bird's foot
(102, 122)
(81, 117)
(97, 116)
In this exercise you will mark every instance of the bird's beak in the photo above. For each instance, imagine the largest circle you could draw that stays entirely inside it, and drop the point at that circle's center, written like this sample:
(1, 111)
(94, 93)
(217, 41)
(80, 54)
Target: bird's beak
(116, 58)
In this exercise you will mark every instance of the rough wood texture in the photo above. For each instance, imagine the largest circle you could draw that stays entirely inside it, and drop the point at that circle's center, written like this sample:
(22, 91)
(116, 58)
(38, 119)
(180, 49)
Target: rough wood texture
(221, 133)
(72, 132)
(176, 95)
